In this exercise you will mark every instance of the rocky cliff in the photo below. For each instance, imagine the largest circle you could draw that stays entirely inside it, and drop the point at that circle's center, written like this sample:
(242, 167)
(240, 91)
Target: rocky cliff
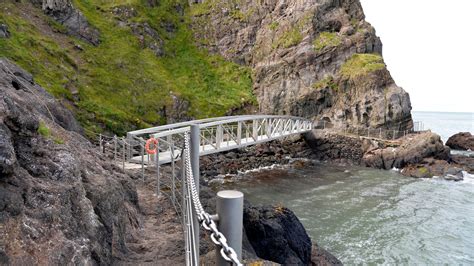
(314, 58)
(60, 201)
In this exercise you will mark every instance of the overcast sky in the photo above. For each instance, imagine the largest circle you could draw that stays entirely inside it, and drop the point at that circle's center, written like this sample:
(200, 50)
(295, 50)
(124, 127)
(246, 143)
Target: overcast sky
(428, 46)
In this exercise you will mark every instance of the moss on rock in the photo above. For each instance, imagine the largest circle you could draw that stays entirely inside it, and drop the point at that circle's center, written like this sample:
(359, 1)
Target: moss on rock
(361, 64)
(326, 40)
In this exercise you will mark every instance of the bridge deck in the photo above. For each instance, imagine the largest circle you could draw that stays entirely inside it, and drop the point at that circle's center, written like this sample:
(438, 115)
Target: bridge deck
(165, 156)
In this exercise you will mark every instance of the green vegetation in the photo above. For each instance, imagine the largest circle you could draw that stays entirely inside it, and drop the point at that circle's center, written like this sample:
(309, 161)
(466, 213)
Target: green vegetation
(44, 130)
(121, 85)
(326, 40)
(423, 171)
(361, 64)
(289, 38)
(326, 82)
(274, 25)
(293, 35)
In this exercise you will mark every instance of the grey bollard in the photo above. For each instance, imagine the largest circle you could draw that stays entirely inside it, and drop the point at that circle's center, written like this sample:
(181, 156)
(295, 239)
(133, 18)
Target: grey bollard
(230, 211)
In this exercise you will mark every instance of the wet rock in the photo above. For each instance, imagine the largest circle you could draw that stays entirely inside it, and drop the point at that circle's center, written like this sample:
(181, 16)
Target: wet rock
(277, 235)
(454, 177)
(320, 256)
(461, 141)
(4, 32)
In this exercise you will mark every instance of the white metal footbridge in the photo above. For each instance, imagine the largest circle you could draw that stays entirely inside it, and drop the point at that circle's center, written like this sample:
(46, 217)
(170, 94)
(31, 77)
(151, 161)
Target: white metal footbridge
(176, 161)
(178, 149)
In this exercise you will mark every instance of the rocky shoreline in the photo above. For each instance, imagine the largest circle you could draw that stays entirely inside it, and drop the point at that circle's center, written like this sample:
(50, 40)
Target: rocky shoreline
(416, 155)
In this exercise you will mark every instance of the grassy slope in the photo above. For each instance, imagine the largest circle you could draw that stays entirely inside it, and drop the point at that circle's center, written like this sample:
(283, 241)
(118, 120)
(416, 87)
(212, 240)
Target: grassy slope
(122, 86)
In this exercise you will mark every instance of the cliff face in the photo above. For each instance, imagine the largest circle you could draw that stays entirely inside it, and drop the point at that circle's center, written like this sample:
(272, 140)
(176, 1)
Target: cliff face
(60, 201)
(318, 59)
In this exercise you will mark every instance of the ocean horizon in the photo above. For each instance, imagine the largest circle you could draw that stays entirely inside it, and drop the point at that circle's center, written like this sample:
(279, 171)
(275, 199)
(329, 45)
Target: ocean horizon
(445, 124)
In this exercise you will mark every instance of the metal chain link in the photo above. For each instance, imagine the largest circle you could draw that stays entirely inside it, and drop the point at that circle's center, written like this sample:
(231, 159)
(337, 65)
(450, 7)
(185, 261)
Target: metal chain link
(227, 252)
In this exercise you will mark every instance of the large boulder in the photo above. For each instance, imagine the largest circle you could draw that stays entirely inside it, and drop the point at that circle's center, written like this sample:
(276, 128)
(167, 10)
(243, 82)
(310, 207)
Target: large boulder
(277, 235)
(61, 202)
(461, 141)
(412, 150)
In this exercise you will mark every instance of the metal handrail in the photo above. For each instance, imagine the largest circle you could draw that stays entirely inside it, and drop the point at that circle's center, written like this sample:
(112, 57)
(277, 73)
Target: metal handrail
(180, 124)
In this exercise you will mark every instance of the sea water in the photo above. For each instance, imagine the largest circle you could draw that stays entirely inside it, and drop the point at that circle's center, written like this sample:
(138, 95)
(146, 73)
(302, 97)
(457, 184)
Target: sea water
(370, 216)
(446, 124)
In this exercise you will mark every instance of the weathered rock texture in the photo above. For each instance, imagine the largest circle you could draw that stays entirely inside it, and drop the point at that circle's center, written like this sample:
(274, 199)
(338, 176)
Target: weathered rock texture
(276, 234)
(411, 150)
(60, 202)
(461, 141)
(4, 32)
(298, 50)
(65, 13)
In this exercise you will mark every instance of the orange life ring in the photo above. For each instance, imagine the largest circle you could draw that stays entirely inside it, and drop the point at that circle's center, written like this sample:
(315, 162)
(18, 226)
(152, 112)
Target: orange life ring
(148, 143)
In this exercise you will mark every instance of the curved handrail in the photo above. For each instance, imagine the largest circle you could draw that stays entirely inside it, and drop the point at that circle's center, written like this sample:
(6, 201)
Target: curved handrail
(181, 124)
(232, 119)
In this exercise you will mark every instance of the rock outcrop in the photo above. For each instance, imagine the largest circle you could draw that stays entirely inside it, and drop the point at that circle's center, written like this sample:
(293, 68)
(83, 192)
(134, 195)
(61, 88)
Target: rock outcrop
(277, 235)
(412, 150)
(65, 13)
(60, 201)
(4, 32)
(461, 141)
(317, 58)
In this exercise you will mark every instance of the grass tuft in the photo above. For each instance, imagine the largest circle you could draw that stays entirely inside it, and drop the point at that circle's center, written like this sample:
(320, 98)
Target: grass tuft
(361, 64)
(43, 130)
(326, 82)
(326, 40)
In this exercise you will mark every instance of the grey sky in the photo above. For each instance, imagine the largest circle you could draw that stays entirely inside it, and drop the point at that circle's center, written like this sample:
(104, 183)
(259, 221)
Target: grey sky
(428, 46)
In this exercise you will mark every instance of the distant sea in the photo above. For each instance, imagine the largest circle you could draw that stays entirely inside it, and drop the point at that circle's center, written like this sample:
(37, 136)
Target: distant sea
(445, 124)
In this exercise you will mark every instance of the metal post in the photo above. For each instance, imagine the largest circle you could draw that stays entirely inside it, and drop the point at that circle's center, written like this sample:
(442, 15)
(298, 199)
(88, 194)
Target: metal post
(100, 143)
(173, 185)
(254, 130)
(230, 212)
(157, 160)
(194, 154)
(115, 148)
(130, 153)
(123, 154)
(239, 133)
(142, 153)
(219, 135)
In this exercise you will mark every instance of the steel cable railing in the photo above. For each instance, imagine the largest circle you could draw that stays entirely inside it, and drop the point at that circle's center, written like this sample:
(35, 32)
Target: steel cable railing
(204, 218)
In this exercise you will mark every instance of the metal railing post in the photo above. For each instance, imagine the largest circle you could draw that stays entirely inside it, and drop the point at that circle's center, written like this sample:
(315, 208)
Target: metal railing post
(158, 178)
(100, 143)
(173, 185)
(230, 211)
(115, 148)
(142, 153)
(194, 154)
(254, 130)
(239, 133)
(123, 154)
(219, 136)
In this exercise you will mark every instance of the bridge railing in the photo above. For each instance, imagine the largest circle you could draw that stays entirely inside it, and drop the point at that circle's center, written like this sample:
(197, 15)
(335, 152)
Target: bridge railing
(376, 133)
